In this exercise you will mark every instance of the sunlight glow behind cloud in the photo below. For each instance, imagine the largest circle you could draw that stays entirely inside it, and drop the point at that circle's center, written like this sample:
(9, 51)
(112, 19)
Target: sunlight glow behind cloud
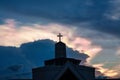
(105, 71)
(13, 34)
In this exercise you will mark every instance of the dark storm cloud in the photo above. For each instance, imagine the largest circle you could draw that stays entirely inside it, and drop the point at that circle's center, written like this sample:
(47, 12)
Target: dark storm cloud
(71, 12)
(15, 68)
(109, 26)
(29, 55)
(60, 10)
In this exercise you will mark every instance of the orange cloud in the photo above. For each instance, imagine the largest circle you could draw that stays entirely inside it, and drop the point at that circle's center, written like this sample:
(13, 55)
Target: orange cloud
(113, 73)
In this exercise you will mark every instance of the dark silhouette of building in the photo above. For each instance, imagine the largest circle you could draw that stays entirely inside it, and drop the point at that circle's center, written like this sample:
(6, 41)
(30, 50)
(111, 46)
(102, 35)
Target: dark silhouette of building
(63, 68)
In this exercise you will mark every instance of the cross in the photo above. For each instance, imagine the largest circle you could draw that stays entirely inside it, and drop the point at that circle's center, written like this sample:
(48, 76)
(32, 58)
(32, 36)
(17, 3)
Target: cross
(59, 37)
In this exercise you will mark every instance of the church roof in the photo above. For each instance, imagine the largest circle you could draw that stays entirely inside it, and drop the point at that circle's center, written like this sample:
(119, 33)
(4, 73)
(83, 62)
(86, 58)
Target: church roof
(72, 69)
(55, 72)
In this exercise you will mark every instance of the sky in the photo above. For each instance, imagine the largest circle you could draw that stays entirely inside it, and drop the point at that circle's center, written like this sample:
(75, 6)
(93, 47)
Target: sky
(89, 26)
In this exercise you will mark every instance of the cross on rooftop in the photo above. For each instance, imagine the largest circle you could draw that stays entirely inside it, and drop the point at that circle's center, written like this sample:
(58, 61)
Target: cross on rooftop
(60, 35)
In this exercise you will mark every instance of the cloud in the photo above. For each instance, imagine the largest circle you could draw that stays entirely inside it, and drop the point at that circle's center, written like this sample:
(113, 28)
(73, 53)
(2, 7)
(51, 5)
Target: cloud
(113, 12)
(118, 52)
(14, 36)
(105, 71)
(20, 61)
(15, 68)
(117, 68)
(73, 13)
(60, 11)
(79, 39)
(96, 33)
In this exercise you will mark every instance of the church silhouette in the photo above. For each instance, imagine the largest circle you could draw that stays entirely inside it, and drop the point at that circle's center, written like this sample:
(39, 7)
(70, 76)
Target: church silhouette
(63, 68)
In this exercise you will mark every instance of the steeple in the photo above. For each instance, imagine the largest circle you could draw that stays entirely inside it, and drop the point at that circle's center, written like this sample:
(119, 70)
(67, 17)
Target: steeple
(60, 55)
(60, 48)
(62, 68)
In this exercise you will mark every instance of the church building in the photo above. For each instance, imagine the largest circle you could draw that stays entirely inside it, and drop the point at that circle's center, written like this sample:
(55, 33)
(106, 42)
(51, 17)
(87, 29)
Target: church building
(63, 68)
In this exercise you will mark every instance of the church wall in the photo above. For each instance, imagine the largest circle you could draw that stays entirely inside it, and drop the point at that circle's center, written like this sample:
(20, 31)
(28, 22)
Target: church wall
(86, 72)
(46, 73)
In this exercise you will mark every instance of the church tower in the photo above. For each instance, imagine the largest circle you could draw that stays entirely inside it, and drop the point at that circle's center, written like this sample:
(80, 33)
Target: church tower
(60, 54)
(60, 48)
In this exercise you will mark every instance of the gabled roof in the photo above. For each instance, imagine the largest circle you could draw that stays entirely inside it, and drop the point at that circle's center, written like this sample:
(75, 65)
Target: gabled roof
(56, 72)
(69, 66)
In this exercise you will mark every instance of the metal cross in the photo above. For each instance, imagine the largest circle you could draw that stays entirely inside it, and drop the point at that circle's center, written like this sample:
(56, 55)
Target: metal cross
(59, 37)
